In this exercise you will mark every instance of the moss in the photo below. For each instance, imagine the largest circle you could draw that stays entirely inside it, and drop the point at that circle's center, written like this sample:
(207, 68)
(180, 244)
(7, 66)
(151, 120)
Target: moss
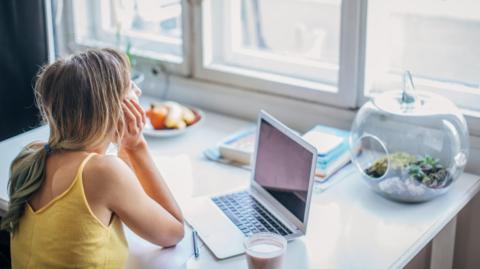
(425, 170)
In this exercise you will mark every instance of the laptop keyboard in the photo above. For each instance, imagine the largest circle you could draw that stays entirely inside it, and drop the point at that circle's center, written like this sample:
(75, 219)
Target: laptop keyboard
(249, 215)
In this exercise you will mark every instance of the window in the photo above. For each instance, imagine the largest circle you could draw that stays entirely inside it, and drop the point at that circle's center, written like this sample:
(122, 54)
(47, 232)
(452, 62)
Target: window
(325, 51)
(300, 39)
(436, 40)
(287, 47)
(149, 28)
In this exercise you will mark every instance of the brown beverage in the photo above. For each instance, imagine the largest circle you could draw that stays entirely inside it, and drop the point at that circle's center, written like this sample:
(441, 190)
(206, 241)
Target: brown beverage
(265, 251)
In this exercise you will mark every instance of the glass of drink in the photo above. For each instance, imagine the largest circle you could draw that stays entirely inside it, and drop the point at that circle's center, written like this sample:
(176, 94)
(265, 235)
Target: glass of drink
(265, 251)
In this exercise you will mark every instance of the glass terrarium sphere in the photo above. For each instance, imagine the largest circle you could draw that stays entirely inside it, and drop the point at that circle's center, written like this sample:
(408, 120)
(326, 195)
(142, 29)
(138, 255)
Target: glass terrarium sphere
(412, 146)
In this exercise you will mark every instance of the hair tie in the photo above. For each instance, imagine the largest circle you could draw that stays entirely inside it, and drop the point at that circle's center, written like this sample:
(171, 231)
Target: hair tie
(47, 148)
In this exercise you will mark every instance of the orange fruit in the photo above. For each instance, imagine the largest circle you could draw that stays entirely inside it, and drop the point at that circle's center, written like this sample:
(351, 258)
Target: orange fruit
(157, 116)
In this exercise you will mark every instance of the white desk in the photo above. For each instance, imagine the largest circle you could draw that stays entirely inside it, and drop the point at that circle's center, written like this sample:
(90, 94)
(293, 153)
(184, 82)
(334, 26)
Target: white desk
(349, 227)
(9, 149)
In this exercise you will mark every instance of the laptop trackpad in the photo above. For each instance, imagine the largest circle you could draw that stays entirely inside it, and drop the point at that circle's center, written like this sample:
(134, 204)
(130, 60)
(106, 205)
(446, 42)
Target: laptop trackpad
(220, 235)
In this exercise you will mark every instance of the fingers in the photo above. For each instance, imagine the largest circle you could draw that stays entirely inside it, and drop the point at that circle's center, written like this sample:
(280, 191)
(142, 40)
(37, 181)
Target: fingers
(136, 112)
(130, 119)
(141, 111)
(135, 116)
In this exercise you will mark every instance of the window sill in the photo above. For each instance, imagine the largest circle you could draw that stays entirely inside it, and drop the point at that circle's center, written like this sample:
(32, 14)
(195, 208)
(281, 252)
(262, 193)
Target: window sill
(245, 103)
(276, 78)
(274, 84)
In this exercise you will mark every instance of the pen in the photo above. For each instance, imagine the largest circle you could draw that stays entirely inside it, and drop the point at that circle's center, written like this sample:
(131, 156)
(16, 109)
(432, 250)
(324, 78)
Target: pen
(196, 253)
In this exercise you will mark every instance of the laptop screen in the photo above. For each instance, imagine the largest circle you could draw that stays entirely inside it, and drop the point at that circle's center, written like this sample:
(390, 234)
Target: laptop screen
(282, 168)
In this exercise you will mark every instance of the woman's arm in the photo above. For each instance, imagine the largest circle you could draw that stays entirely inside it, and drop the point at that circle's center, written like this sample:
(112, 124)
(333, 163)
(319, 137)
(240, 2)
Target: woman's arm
(141, 199)
(118, 189)
(134, 148)
(151, 179)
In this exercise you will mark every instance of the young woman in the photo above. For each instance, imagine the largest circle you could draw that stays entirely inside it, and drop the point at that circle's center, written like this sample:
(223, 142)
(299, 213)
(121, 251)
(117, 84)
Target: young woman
(67, 198)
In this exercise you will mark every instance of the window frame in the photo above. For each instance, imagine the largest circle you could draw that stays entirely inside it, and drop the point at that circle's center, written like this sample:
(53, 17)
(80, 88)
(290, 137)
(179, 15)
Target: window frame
(266, 60)
(170, 63)
(344, 94)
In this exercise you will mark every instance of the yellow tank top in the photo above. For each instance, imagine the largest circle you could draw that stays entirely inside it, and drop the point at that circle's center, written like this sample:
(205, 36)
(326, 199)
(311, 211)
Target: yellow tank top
(66, 234)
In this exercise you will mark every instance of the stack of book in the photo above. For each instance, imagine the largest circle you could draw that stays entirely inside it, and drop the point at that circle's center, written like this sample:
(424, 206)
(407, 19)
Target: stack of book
(332, 147)
(331, 144)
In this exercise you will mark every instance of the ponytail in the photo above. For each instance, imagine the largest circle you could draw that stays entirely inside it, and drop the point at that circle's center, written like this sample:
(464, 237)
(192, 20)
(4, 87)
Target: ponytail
(27, 173)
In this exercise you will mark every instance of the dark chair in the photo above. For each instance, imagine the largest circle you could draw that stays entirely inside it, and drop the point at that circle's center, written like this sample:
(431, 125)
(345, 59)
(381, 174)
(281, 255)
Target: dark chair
(4, 250)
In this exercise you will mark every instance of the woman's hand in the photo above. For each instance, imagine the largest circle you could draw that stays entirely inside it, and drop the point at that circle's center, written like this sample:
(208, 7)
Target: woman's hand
(135, 119)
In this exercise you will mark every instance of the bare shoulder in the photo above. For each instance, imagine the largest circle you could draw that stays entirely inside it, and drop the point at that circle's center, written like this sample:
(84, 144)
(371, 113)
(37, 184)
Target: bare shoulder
(107, 171)
(105, 164)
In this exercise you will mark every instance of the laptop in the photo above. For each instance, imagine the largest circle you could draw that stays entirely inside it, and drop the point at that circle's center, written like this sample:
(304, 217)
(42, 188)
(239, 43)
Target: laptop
(277, 199)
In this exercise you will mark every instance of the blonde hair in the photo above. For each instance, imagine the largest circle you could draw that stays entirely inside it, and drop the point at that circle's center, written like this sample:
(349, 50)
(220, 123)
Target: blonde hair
(80, 99)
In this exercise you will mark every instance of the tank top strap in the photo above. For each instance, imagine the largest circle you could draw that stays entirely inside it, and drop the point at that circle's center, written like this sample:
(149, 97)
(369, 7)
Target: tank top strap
(82, 166)
(78, 199)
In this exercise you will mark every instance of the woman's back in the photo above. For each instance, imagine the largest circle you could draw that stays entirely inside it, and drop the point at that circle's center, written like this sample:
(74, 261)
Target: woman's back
(59, 226)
